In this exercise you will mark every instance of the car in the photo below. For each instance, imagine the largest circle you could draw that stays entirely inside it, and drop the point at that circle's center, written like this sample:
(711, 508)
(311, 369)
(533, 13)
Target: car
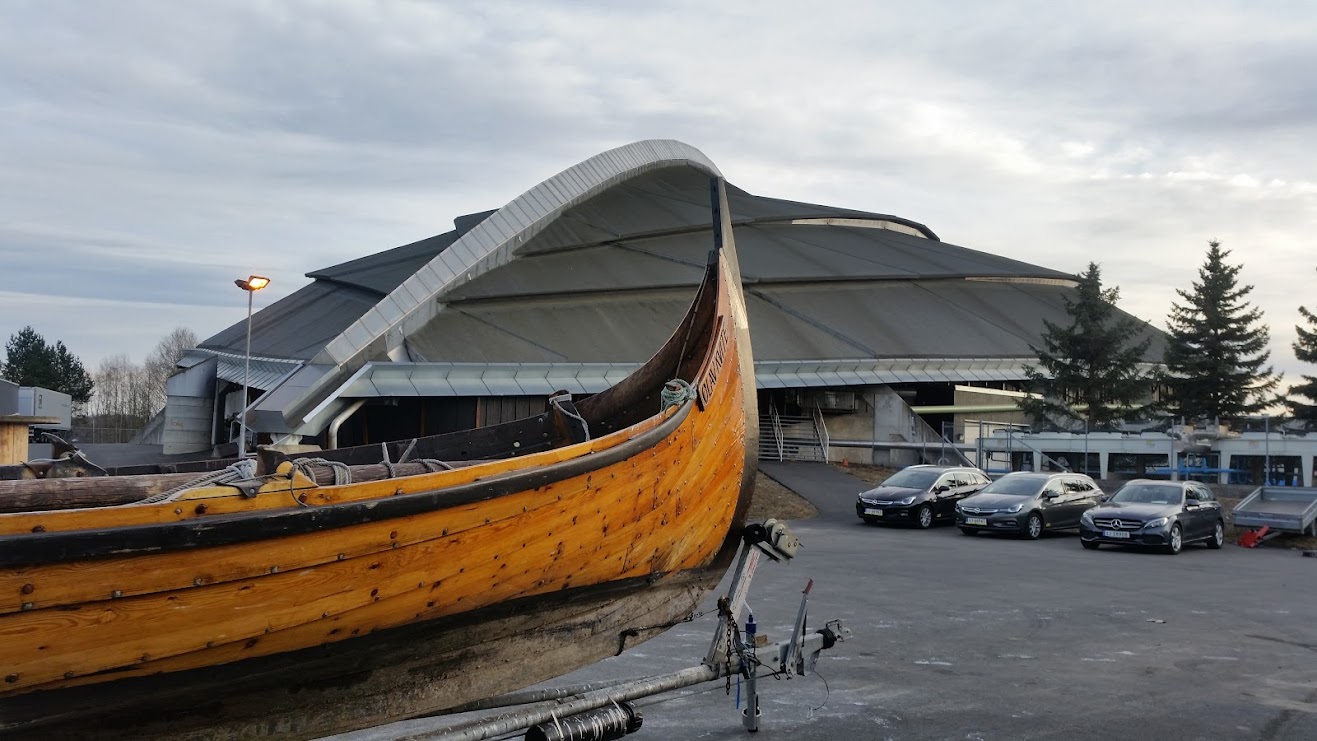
(1026, 503)
(1162, 514)
(920, 495)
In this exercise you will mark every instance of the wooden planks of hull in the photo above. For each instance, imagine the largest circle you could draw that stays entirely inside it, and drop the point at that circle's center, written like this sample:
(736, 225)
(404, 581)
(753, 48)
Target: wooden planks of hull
(333, 607)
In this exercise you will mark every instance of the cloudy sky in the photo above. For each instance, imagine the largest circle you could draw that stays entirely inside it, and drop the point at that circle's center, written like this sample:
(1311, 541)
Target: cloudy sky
(151, 152)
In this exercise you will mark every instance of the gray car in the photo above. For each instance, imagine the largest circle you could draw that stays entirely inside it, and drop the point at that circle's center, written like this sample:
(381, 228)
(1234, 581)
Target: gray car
(1163, 514)
(1027, 504)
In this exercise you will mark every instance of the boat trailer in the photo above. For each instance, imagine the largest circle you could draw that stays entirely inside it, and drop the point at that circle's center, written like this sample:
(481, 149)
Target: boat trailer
(601, 711)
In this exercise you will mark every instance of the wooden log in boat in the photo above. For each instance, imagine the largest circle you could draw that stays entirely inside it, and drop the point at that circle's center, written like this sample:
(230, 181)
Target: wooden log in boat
(296, 607)
(53, 494)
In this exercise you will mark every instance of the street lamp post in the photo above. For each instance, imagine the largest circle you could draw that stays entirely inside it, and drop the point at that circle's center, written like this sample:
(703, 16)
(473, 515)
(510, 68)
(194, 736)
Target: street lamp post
(251, 285)
(1266, 447)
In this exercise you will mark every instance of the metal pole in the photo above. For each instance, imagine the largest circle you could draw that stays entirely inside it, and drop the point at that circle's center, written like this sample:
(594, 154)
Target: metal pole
(1173, 464)
(1266, 448)
(246, 374)
(1086, 447)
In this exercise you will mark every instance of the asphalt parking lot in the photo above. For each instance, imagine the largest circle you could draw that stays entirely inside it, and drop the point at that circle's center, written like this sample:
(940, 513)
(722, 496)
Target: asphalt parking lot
(992, 638)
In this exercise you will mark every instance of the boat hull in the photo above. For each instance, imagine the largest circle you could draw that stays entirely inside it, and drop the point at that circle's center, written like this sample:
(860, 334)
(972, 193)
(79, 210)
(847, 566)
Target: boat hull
(300, 610)
(377, 679)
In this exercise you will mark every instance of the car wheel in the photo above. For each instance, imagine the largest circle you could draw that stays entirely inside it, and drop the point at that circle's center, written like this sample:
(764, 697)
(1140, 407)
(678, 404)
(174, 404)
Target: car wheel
(924, 517)
(1177, 540)
(1091, 545)
(968, 531)
(1218, 538)
(1033, 526)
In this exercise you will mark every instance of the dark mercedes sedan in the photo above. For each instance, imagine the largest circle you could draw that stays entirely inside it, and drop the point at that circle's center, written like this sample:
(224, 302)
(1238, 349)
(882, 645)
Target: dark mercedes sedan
(1162, 514)
(919, 495)
(1026, 504)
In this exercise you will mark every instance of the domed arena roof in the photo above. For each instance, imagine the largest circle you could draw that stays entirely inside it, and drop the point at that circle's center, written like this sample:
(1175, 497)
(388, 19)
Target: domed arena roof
(578, 280)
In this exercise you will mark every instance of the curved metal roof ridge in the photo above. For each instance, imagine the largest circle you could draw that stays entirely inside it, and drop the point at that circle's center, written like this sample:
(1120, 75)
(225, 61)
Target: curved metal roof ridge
(486, 246)
(492, 242)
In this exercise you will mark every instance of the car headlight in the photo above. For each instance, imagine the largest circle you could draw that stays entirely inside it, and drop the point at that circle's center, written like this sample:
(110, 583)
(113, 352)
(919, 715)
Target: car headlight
(1014, 508)
(1086, 518)
(1154, 523)
(907, 500)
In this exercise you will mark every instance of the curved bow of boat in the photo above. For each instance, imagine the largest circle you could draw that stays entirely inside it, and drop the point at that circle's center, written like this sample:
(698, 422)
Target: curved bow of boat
(310, 609)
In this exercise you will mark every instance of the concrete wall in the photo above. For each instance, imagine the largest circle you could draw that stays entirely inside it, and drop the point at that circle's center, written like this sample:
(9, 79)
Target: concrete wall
(968, 424)
(884, 416)
(857, 425)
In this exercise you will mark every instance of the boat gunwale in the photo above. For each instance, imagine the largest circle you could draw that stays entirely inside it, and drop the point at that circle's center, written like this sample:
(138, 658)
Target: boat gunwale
(44, 548)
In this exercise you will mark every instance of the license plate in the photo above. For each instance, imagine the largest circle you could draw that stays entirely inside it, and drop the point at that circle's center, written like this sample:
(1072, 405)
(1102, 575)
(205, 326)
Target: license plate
(983, 521)
(1115, 534)
(874, 512)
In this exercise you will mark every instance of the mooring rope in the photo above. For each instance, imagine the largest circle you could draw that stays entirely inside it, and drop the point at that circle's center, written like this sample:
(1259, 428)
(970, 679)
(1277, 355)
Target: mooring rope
(675, 393)
(342, 471)
(558, 400)
(243, 469)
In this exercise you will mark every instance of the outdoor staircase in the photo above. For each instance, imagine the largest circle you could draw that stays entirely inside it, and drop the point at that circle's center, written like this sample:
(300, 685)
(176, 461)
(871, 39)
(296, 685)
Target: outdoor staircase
(792, 438)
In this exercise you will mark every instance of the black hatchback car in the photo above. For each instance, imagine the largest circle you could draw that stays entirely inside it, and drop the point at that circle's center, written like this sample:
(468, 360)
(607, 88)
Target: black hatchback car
(919, 495)
(1163, 514)
(1025, 503)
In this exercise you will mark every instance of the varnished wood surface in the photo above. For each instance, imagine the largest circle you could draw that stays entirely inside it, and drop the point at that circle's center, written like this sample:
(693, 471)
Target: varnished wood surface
(325, 614)
(664, 511)
(387, 676)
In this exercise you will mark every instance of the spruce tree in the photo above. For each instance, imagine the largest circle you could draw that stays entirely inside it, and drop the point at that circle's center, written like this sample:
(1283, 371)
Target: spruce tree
(31, 361)
(73, 379)
(1305, 349)
(1090, 370)
(1216, 356)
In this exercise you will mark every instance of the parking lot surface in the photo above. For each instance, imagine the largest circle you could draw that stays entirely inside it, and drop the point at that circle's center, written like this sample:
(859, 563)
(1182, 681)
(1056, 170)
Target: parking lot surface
(983, 637)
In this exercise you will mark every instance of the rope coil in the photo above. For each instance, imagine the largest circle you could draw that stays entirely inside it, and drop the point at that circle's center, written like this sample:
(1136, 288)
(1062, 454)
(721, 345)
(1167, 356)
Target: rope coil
(676, 392)
(342, 471)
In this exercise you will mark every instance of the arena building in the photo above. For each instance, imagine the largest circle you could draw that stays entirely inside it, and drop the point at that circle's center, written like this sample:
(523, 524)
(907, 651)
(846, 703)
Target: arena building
(859, 320)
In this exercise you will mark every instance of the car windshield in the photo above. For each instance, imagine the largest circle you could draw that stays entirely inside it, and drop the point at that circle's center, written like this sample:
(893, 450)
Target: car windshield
(1149, 494)
(1018, 486)
(913, 478)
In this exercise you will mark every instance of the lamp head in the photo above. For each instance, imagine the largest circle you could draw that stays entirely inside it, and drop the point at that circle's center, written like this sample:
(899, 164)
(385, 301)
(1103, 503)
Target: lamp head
(253, 283)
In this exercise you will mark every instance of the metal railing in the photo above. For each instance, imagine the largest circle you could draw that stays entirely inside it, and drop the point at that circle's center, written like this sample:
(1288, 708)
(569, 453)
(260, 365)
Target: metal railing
(777, 430)
(821, 429)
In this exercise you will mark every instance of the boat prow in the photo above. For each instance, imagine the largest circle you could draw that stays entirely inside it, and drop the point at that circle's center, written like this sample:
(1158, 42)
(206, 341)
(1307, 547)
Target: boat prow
(308, 601)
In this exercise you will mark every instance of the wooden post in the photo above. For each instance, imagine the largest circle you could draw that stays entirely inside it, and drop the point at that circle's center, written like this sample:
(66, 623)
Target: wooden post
(13, 436)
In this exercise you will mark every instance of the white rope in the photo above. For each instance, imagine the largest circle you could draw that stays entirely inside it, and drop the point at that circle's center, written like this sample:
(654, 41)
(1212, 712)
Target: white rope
(557, 402)
(342, 471)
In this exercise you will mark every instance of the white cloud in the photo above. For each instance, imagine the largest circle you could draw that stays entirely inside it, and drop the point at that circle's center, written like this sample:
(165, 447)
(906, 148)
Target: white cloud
(207, 140)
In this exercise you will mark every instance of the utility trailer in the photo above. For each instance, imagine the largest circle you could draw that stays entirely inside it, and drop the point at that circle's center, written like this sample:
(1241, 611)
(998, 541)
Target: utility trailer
(1291, 509)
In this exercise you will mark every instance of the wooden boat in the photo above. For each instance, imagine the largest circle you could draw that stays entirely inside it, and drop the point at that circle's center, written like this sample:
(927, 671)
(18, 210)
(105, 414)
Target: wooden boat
(282, 606)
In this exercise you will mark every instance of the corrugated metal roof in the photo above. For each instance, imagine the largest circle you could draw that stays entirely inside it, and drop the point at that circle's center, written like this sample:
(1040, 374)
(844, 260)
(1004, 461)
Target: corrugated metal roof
(264, 374)
(597, 264)
(298, 325)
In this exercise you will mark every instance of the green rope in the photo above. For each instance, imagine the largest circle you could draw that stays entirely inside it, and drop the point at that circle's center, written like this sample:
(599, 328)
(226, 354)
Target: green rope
(676, 392)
